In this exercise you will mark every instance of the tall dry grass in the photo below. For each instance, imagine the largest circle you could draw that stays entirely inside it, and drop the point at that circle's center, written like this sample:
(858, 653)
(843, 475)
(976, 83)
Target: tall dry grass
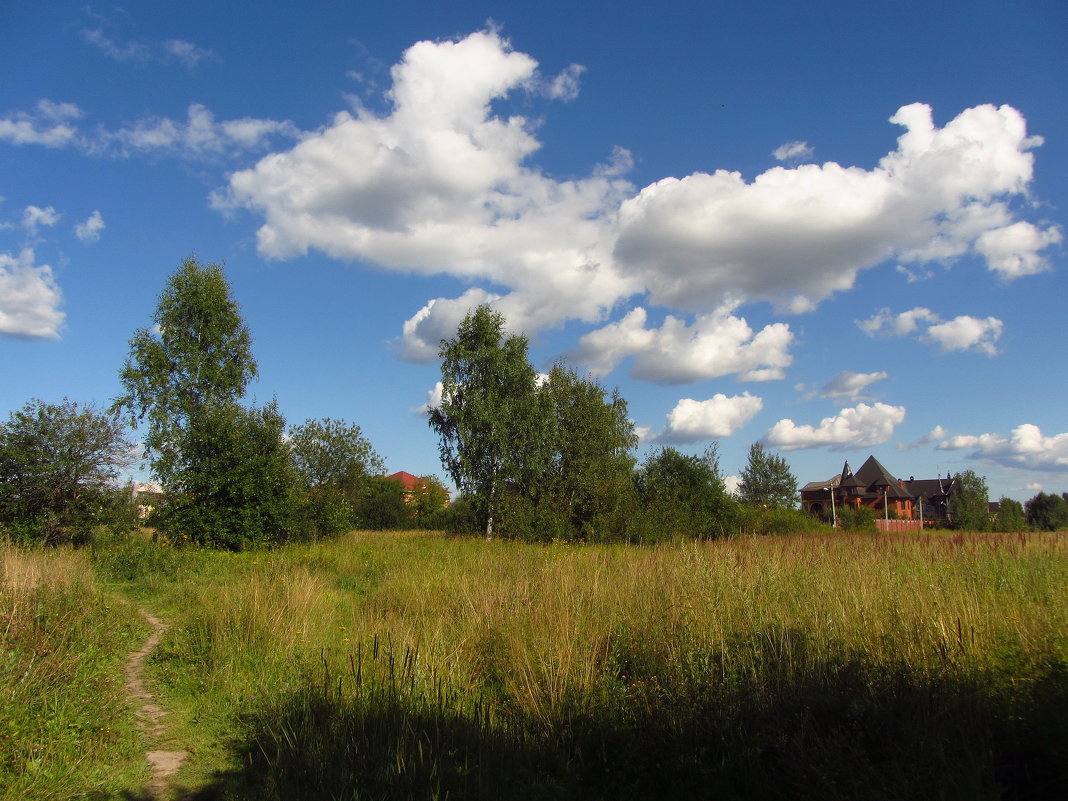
(66, 730)
(829, 666)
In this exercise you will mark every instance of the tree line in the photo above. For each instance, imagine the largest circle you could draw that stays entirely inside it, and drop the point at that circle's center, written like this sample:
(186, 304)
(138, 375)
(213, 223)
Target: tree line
(551, 457)
(534, 457)
(234, 475)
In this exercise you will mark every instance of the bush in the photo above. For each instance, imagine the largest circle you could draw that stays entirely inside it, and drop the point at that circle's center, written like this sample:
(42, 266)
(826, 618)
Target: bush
(758, 520)
(862, 519)
(58, 467)
(382, 505)
(236, 487)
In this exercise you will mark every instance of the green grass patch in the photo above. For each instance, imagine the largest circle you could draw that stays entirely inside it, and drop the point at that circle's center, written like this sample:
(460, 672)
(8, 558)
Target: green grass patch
(66, 730)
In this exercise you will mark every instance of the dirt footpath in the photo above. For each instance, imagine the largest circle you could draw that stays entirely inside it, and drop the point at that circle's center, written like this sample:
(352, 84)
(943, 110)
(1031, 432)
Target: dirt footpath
(149, 713)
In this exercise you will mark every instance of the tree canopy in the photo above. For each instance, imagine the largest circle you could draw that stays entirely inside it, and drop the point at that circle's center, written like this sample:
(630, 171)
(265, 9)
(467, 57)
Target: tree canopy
(491, 434)
(196, 357)
(684, 495)
(228, 476)
(546, 456)
(1047, 511)
(969, 506)
(766, 480)
(59, 468)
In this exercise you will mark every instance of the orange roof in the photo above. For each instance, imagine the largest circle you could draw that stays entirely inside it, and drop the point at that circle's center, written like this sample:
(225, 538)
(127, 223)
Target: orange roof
(407, 480)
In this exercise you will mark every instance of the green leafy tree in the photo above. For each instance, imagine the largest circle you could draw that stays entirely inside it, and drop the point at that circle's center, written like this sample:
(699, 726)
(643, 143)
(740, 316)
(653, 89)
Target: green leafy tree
(684, 495)
(335, 462)
(1010, 515)
(182, 381)
(59, 464)
(969, 505)
(195, 358)
(382, 505)
(430, 497)
(766, 480)
(234, 485)
(1047, 512)
(490, 423)
(587, 480)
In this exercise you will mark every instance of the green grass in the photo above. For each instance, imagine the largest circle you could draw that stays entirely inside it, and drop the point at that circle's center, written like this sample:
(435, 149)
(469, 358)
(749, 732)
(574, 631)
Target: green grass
(805, 666)
(414, 666)
(66, 730)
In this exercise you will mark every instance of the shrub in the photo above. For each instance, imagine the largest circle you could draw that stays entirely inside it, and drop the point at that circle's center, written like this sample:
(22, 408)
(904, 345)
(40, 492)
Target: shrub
(862, 519)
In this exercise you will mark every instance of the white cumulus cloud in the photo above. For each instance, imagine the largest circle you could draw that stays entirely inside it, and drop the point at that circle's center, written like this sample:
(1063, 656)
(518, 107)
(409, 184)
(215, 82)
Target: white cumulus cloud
(858, 427)
(716, 344)
(29, 298)
(1026, 447)
(719, 416)
(51, 124)
(1013, 250)
(34, 216)
(796, 236)
(440, 185)
(963, 332)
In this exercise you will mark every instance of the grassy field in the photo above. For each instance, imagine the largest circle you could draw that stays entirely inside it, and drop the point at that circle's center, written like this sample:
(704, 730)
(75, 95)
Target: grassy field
(416, 666)
(66, 729)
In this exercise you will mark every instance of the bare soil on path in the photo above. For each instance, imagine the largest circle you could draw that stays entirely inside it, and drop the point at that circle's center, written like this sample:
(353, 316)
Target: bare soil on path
(149, 713)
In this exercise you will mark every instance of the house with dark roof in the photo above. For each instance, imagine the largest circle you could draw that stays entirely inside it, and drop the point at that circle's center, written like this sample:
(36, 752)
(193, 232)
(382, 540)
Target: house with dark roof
(926, 501)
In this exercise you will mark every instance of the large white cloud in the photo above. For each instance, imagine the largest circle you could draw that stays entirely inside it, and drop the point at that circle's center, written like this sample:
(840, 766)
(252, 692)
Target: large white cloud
(795, 236)
(717, 344)
(719, 416)
(1026, 447)
(440, 185)
(963, 333)
(29, 298)
(858, 427)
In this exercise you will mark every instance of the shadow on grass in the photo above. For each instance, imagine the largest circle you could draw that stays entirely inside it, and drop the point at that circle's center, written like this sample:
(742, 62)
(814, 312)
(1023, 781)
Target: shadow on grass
(842, 730)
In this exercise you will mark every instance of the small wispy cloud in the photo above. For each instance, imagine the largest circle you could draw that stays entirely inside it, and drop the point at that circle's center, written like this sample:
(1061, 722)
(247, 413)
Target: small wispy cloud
(89, 230)
(793, 151)
(187, 54)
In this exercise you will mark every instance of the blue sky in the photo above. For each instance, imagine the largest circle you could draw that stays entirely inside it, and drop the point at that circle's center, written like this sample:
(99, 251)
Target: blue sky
(836, 228)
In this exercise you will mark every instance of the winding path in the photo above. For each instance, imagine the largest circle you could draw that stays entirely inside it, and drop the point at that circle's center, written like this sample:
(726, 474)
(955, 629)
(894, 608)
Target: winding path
(149, 713)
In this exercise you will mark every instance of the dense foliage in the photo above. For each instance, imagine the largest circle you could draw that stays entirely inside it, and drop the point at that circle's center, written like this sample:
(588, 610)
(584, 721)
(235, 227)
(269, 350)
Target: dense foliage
(1010, 516)
(1048, 512)
(490, 424)
(335, 463)
(235, 486)
(969, 506)
(684, 495)
(766, 480)
(59, 465)
(551, 458)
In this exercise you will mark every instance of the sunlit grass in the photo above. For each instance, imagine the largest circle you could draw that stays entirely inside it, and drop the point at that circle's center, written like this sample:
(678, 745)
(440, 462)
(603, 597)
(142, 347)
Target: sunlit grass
(66, 730)
(519, 652)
